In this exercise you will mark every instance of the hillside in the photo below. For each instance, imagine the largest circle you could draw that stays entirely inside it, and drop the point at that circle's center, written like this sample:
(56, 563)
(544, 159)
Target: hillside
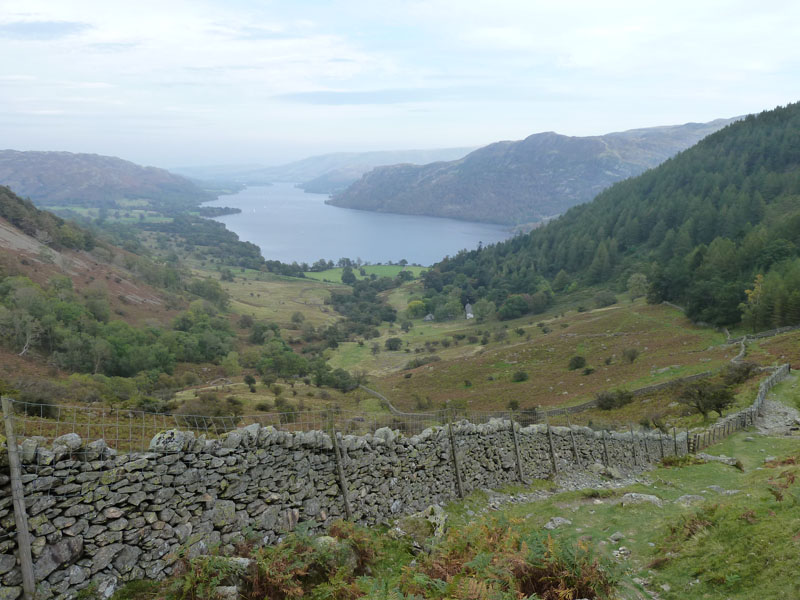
(524, 181)
(91, 180)
(325, 173)
(697, 230)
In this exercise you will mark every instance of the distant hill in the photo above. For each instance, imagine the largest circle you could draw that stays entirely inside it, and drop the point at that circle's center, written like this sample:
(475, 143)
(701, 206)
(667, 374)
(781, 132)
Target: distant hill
(521, 182)
(714, 221)
(326, 173)
(65, 178)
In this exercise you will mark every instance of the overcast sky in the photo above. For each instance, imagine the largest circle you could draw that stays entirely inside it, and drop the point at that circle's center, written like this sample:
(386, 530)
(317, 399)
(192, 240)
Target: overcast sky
(172, 82)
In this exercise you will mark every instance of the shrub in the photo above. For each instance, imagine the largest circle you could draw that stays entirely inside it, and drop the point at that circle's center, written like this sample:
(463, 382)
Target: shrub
(393, 343)
(576, 362)
(513, 404)
(739, 372)
(604, 298)
(519, 376)
(423, 360)
(588, 371)
(610, 399)
(704, 397)
(207, 411)
(630, 354)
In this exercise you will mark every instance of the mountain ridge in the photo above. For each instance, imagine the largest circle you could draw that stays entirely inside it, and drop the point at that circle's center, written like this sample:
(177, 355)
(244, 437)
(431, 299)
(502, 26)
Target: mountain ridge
(51, 178)
(515, 182)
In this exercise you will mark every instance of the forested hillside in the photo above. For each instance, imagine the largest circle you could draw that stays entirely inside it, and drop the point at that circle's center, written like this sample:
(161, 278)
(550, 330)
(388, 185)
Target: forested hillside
(66, 178)
(523, 181)
(716, 229)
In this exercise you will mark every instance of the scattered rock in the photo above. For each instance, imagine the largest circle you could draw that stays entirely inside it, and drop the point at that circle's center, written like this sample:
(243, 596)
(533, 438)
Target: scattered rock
(726, 460)
(633, 498)
(557, 522)
(622, 553)
(689, 499)
(616, 536)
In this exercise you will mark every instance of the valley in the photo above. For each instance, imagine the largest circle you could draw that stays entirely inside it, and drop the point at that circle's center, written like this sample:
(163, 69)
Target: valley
(170, 323)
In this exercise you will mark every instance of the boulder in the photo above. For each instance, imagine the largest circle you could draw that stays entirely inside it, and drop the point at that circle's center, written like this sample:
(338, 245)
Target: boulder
(726, 460)
(71, 441)
(423, 527)
(337, 553)
(172, 440)
(634, 498)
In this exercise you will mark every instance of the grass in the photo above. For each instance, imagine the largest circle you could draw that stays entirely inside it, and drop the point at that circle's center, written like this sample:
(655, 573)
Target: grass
(275, 298)
(335, 275)
(730, 556)
(127, 215)
(669, 345)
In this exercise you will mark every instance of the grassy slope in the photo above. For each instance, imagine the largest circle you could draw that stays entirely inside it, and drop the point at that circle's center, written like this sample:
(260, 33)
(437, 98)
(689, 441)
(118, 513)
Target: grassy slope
(270, 297)
(335, 275)
(669, 345)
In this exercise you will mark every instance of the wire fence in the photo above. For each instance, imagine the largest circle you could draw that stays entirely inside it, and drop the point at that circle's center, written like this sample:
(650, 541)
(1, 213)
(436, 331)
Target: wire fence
(130, 431)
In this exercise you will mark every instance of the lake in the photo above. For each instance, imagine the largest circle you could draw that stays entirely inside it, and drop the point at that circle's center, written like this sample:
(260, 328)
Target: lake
(290, 225)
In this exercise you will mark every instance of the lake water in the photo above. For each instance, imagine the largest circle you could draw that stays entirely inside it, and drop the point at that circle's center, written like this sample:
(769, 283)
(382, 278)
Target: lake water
(291, 225)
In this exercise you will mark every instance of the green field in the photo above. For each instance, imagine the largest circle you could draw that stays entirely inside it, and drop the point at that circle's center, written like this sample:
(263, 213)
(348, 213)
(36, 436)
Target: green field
(276, 298)
(335, 275)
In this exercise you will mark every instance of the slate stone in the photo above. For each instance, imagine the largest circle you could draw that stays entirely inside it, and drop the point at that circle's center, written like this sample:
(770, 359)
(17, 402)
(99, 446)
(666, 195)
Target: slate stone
(56, 556)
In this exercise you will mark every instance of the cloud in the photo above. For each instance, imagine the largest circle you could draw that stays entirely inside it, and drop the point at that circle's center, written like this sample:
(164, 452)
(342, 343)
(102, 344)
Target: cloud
(41, 30)
(112, 47)
(336, 98)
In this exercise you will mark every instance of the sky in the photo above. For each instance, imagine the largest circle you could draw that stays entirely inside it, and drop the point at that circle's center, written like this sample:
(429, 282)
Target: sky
(199, 82)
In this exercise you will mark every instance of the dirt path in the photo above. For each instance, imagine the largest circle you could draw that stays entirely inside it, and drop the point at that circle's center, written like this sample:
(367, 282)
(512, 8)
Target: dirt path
(778, 418)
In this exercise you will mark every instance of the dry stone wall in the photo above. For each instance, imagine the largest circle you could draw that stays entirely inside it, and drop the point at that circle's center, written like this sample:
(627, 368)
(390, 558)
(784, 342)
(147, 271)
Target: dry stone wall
(102, 517)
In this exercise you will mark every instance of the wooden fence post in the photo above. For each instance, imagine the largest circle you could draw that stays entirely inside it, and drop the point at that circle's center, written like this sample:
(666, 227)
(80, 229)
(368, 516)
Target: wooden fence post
(552, 450)
(456, 468)
(520, 472)
(605, 447)
(18, 501)
(574, 445)
(340, 470)
(661, 443)
(675, 441)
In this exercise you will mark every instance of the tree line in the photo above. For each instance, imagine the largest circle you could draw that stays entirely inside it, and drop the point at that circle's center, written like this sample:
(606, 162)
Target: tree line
(700, 228)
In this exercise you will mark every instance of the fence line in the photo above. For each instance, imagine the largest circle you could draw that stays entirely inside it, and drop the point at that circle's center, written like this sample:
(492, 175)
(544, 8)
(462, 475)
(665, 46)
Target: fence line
(273, 475)
(742, 419)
